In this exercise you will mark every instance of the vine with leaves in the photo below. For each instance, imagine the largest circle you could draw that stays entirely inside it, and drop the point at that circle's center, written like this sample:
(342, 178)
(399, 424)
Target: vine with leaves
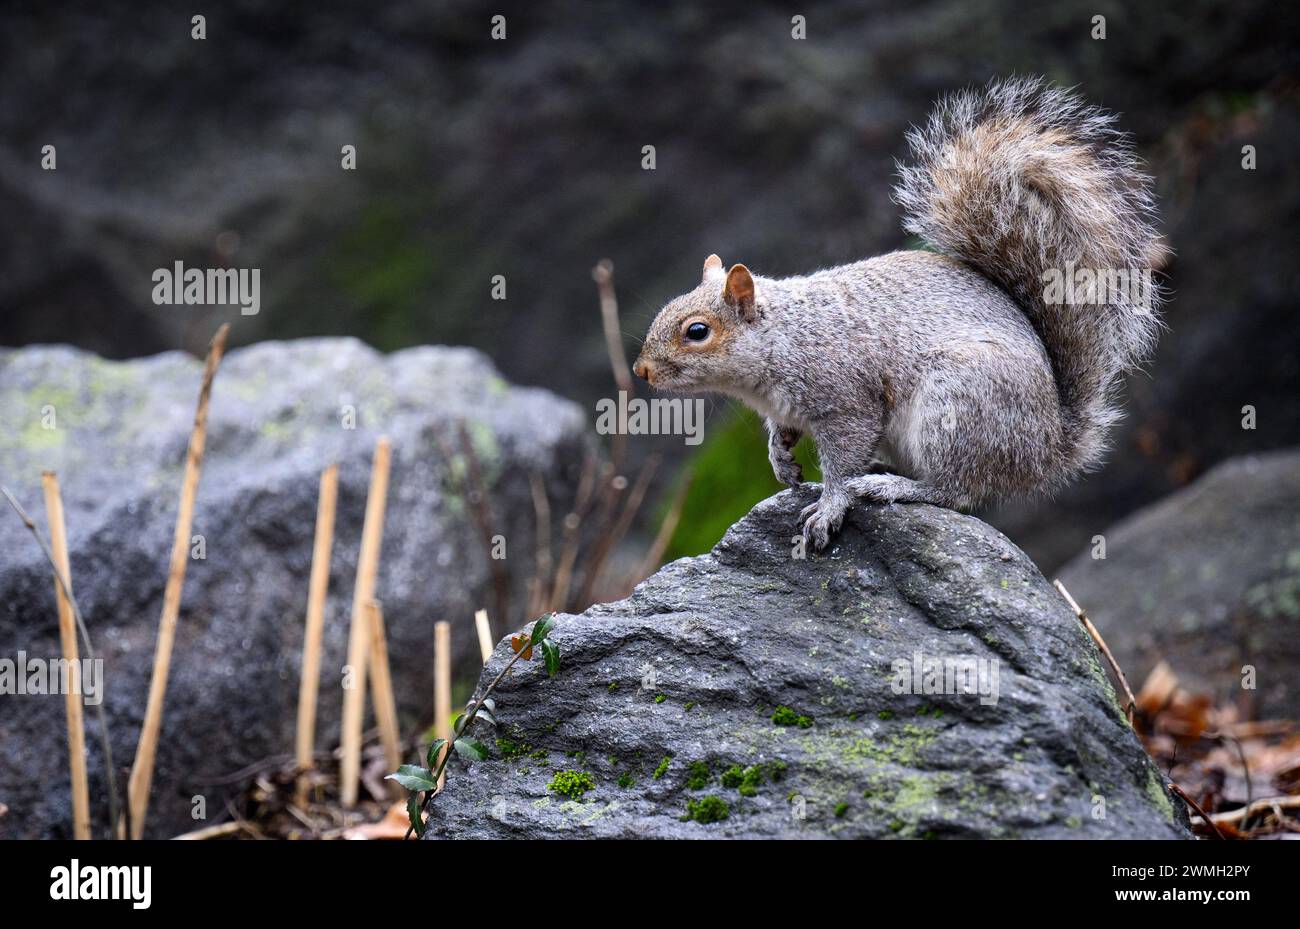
(422, 780)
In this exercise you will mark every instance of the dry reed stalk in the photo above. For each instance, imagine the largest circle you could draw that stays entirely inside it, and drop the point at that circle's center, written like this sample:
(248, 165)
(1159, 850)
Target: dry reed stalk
(326, 504)
(442, 688)
(354, 697)
(381, 685)
(63, 582)
(68, 639)
(147, 747)
(210, 832)
(484, 634)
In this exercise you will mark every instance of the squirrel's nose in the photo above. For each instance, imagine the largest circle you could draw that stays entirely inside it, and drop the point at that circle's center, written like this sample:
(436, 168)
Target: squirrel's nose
(644, 370)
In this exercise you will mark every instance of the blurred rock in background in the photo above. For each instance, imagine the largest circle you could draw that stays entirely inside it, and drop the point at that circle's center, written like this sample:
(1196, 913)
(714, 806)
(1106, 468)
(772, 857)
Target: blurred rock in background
(277, 419)
(1208, 580)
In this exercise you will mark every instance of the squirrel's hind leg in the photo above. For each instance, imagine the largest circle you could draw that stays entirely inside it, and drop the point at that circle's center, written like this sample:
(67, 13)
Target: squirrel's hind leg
(822, 519)
(894, 488)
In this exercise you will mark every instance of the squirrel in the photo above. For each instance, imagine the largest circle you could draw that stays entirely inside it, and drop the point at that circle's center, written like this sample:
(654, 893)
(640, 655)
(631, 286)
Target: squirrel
(961, 370)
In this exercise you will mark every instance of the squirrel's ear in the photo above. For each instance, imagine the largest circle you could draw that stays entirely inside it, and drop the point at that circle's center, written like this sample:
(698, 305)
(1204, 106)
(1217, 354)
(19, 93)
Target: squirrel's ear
(739, 292)
(712, 267)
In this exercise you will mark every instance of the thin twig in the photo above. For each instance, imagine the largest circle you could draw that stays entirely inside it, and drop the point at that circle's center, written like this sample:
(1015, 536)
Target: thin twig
(1101, 644)
(655, 554)
(269, 763)
(1245, 767)
(541, 584)
(471, 712)
(572, 533)
(1197, 807)
(609, 541)
(1283, 803)
(483, 511)
(146, 748)
(476, 494)
(603, 275)
(614, 486)
(110, 772)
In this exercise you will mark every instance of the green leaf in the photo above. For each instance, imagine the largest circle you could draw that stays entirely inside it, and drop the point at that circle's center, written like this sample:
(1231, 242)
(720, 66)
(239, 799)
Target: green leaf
(432, 758)
(472, 749)
(542, 628)
(413, 811)
(487, 717)
(413, 777)
(552, 656)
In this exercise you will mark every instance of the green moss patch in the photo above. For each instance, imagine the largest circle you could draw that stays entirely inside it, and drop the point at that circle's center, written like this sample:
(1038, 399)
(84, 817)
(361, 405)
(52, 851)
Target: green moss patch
(784, 716)
(698, 775)
(572, 784)
(710, 809)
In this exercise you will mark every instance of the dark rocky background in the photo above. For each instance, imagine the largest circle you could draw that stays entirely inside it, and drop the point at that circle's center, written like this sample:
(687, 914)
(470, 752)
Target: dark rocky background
(522, 158)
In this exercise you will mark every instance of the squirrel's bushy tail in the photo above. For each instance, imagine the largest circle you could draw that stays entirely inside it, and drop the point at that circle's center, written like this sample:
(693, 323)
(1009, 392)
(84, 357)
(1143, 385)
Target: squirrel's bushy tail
(1032, 187)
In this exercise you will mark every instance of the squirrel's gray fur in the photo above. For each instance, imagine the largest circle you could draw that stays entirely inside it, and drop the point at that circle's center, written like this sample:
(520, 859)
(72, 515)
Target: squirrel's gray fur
(953, 368)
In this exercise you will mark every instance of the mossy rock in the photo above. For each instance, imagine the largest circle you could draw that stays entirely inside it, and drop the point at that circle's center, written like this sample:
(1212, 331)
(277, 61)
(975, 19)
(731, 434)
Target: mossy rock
(759, 641)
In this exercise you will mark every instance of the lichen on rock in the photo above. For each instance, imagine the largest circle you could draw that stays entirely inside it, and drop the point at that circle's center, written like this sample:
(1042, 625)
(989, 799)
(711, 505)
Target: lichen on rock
(758, 641)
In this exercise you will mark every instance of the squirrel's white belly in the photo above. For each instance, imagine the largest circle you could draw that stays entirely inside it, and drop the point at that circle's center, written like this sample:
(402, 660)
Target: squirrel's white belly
(903, 441)
(774, 408)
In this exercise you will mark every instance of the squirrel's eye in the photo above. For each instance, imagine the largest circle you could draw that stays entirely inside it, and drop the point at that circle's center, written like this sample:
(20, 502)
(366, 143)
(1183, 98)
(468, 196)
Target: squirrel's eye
(697, 332)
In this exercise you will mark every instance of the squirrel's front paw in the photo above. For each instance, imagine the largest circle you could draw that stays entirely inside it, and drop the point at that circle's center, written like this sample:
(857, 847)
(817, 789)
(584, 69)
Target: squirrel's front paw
(822, 519)
(780, 452)
(787, 471)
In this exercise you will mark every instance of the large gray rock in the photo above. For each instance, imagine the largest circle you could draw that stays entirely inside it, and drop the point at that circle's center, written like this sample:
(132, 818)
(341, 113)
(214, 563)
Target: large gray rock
(733, 635)
(277, 418)
(1208, 579)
